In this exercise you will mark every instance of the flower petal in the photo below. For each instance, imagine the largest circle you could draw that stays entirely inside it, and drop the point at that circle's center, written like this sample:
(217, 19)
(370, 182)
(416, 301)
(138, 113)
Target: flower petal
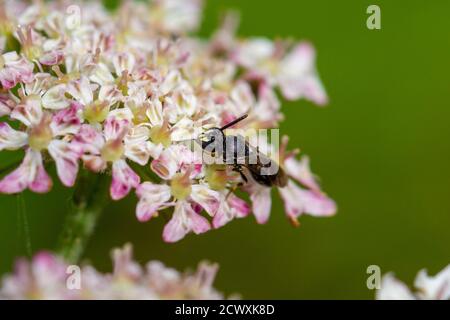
(178, 16)
(42, 182)
(66, 160)
(66, 121)
(81, 90)
(261, 202)
(298, 76)
(123, 179)
(171, 80)
(55, 98)
(230, 208)
(318, 204)
(30, 174)
(94, 163)
(393, 289)
(30, 112)
(436, 288)
(252, 52)
(88, 140)
(300, 171)
(51, 58)
(239, 207)
(167, 164)
(6, 104)
(154, 113)
(102, 75)
(123, 264)
(16, 69)
(206, 197)
(137, 146)
(11, 139)
(115, 128)
(267, 109)
(184, 220)
(175, 229)
(197, 223)
(124, 62)
(152, 197)
(298, 201)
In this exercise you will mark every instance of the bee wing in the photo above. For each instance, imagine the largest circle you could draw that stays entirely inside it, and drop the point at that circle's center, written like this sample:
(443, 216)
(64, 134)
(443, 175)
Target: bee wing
(245, 153)
(268, 167)
(255, 156)
(239, 150)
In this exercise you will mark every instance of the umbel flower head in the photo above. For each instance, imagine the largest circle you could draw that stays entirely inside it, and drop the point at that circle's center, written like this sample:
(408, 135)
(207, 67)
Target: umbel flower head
(48, 277)
(116, 93)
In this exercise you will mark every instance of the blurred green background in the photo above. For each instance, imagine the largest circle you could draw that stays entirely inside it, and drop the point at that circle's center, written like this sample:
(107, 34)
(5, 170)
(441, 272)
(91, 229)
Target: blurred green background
(381, 148)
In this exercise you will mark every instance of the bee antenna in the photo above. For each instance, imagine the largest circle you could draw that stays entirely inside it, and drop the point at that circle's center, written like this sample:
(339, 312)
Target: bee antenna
(232, 123)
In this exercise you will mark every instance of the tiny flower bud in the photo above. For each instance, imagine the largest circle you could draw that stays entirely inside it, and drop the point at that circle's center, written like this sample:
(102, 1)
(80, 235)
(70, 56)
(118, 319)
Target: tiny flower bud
(122, 83)
(30, 49)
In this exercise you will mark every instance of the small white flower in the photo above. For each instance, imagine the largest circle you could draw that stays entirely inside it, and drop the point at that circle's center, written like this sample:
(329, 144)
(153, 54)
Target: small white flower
(427, 287)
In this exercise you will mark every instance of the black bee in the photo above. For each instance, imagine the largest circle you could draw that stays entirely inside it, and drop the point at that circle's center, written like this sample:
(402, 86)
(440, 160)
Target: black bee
(237, 152)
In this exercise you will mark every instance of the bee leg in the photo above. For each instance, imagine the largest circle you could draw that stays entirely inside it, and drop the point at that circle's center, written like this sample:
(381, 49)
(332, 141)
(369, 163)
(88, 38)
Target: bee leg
(233, 189)
(238, 168)
(243, 177)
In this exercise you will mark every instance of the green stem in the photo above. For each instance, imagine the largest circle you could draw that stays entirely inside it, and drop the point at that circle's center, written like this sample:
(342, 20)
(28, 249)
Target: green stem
(89, 200)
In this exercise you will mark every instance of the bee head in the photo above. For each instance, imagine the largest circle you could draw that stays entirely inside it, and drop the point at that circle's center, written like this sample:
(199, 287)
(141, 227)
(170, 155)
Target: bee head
(210, 136)
(216, 134)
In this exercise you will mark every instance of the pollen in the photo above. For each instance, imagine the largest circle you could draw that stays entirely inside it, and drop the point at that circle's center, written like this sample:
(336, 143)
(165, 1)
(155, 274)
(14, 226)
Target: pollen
(161, 134)
(217, 177)
(32, 52)
(180, 186)
(40, 136)
(96, 112)
(112, 150)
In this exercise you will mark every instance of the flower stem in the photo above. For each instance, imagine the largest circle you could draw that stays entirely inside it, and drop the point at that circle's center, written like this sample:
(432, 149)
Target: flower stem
(89, 199)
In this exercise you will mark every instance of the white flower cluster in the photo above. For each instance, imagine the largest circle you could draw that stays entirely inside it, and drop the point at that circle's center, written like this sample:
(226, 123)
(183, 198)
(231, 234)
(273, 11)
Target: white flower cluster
(427, 287)
(117, 92)
(47, 277)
